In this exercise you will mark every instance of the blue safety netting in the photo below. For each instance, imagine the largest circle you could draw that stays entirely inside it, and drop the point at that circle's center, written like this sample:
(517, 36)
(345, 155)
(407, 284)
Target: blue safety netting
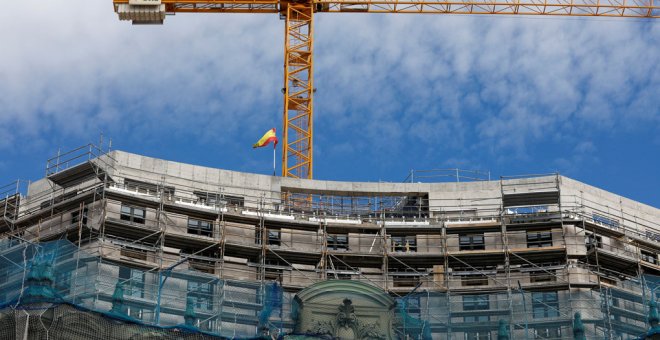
(70, 291)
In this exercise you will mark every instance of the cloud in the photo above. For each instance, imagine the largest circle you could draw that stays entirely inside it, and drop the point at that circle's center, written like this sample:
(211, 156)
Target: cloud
(499, 84)
(583, 152)
(397, 85)
(88, 71)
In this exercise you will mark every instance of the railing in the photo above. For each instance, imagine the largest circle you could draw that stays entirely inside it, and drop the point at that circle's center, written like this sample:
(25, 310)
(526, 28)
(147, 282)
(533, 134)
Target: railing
(441, 175)
(79, 155)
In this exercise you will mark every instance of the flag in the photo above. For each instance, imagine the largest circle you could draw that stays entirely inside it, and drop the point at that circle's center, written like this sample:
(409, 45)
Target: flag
(268, 137)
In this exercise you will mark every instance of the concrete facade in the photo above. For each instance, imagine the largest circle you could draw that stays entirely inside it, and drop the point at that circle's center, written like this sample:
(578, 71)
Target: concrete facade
(528, 250)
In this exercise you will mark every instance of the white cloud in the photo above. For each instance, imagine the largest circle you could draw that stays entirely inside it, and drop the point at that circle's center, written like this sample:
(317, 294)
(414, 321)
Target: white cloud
(435, 82)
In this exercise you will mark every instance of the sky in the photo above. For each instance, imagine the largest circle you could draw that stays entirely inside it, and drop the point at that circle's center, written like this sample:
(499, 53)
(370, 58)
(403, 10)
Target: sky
(509, 95)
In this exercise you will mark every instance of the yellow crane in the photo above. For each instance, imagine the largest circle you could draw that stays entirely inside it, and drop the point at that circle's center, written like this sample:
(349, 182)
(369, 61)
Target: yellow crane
(298, 15)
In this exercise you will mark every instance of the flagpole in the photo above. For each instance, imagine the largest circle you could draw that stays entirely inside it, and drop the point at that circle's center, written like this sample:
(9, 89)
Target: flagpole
(274, 145)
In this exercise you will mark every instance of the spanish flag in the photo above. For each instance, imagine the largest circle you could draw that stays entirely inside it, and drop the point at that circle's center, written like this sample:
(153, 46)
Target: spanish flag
(268, 137)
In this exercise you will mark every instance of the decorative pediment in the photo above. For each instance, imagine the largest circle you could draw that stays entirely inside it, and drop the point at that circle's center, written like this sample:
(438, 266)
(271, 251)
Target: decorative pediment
(345, 310)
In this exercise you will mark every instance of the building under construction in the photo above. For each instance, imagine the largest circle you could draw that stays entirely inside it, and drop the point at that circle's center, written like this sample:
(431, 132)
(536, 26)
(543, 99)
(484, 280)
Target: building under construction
(161, 246)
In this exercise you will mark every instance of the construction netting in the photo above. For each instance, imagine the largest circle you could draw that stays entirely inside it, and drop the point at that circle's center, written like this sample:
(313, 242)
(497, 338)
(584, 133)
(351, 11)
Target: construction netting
(55, 290)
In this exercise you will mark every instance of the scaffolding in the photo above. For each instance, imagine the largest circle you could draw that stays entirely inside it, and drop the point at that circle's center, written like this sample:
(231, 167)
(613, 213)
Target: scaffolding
(527, 257)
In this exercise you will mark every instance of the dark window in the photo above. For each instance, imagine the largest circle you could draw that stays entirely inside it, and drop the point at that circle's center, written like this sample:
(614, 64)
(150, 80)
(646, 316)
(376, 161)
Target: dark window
(653, 236)
(477, 318)
(471, 242)
(274, 270)
(133, 280)
(63, 282)
(205, 266)
(479, 335)
(200, 227)
(539, 239)
(206, 324)
(474, 280)
(75, 217)
(135, 253)
(593, 242)
(274, 237)
(208, 198)
(649, 257)
(134, 312)
(274, 274)
(338, 276)
(338, 241)
(547, 333)
(404, 243)
(413, 305)
(133, 214)
(201, 294)
(545, 304)
(213, 199)
(4, 276)
(476, 302)
(542, 276)
(405, 280)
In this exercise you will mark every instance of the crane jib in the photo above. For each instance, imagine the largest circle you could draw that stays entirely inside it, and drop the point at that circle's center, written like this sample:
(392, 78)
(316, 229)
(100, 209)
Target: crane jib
(298, 90)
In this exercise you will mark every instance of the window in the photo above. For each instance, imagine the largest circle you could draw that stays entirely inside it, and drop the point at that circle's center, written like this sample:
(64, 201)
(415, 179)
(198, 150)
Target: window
(213, 199)
(649, 257)
(274, 237)
(476, 302)
(206, 325)
(200, 227)
(133, 280)
(75, 217)
(404, 243)
(405, 280)
(413, 305)
(201, 294)
(337, 241)
(652, 236)
(478, 335)
(539, 239)
(547, 333)
(63, 282)
(273, 274)
(133, 214)
(204, 266)
(593, 241)
(134, 312)
(274, 270)
(135, 253)
(471, 242)
(474, 280)
(542, 276)
(4, 276)
(545, 304)
(338, 276)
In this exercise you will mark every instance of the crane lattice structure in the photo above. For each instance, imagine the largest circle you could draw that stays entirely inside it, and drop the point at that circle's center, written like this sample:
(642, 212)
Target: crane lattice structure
(298, 90)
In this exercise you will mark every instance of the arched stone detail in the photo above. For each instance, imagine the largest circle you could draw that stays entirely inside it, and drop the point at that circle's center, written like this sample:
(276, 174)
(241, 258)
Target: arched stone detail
(345, 309)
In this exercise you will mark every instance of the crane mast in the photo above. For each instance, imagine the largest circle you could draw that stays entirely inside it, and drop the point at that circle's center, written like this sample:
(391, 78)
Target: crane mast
(297, 152)
(298, 90)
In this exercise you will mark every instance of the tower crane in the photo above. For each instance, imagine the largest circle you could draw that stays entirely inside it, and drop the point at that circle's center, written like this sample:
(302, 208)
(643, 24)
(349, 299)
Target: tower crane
(298, 16)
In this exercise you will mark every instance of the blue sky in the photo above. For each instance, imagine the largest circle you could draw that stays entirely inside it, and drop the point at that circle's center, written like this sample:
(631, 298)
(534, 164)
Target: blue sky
(509, 95)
